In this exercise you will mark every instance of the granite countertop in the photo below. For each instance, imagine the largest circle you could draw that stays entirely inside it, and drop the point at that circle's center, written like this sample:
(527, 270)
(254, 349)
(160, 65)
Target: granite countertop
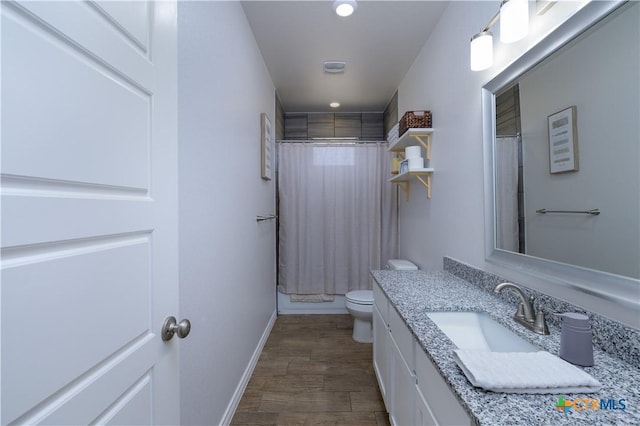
(414, 293)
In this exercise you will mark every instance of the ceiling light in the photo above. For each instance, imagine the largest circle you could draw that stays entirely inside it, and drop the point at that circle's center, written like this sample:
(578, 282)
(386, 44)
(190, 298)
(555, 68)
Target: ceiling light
(344, 7)
(334, 104)
(481, 51)
(514, 20)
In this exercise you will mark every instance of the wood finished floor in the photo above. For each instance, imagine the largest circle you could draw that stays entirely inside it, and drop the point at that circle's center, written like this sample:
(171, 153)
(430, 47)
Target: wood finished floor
(311, 372)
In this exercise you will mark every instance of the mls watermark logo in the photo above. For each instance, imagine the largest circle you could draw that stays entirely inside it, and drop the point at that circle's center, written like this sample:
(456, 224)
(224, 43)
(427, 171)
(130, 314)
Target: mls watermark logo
(590, 404)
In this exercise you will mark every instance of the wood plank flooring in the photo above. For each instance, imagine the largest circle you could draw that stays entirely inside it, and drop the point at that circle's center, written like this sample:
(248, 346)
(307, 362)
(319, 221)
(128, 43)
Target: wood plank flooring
(311, 372)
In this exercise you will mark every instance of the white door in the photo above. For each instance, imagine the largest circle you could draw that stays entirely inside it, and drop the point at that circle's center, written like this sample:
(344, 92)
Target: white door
(89, 213)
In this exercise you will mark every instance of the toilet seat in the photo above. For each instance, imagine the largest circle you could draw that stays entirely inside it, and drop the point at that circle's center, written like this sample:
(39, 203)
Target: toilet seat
(360, 297)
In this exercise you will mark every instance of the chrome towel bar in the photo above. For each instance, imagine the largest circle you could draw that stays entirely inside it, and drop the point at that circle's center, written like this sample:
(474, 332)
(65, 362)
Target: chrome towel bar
(594, 212)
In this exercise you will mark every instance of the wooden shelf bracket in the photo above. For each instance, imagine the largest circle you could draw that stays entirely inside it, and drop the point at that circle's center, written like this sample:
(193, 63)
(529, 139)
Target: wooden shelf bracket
(426, 143)
(426, 181)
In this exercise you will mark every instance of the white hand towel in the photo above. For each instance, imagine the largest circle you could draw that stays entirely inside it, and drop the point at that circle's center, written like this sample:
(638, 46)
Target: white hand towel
(523, 372)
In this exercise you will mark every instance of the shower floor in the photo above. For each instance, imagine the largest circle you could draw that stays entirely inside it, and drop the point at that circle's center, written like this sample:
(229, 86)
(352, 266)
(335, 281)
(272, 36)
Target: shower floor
(312, 372)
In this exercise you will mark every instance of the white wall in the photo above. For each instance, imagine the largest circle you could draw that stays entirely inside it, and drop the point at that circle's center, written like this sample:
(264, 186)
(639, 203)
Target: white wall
(608, 152)
(451, 223)
(227, 259)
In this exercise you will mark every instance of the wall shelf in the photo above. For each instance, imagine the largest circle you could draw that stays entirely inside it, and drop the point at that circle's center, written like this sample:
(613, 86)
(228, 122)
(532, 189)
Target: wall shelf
(422, 175)
(410, 137)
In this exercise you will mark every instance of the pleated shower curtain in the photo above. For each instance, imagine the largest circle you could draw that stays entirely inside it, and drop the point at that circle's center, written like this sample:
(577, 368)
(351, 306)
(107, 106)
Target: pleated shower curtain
(338, 216)
(507, 237)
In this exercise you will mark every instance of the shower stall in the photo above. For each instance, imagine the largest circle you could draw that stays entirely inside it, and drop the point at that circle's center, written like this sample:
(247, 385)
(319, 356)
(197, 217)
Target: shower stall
(337, 217)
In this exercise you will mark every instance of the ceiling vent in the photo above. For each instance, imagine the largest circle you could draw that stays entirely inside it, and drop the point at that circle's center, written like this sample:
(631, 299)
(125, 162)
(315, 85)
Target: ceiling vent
(334, 67)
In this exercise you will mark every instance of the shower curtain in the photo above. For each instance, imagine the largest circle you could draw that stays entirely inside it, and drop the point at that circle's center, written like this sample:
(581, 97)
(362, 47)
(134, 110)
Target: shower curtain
(507, 236)
(338, 216)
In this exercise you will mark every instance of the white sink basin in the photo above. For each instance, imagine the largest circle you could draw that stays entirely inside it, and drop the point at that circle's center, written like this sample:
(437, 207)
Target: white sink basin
(478, 331)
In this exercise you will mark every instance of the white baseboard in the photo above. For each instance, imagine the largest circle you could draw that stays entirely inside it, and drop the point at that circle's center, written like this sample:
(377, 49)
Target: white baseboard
(237, 395)
(287, 307)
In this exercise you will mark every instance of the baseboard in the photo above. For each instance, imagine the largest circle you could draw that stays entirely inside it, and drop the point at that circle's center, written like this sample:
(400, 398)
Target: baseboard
(237, 395)
(336, 311)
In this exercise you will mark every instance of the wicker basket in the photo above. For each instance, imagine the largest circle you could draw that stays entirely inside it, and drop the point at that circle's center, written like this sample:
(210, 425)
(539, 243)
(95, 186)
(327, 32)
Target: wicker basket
(414, 120)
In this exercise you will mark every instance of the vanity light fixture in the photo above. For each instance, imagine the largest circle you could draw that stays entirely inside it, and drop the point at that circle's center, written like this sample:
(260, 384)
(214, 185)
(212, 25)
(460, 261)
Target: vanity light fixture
(482, 47)
(514, 20)
(481, 51)
(334, 104)
(514, 26)
(344, 7)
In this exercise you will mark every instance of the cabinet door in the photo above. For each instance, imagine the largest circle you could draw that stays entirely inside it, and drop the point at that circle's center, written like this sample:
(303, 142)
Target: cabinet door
(444, 405)
(403, 390)
(381, 348)
(424, 417)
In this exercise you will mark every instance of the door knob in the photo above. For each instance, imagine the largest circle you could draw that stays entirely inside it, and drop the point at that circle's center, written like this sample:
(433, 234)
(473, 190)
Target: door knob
(171, 327)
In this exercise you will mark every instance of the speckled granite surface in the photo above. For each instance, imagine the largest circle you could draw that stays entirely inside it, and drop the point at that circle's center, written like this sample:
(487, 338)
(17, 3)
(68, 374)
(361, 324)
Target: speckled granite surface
(414, 293)
(610, 336)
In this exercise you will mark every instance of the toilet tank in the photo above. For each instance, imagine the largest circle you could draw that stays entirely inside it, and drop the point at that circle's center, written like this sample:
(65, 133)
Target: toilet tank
(401, 265)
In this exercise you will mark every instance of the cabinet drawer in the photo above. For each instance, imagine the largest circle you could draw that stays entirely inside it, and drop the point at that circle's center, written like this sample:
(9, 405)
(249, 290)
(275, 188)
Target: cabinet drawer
(381, 302)
(402, 336)
(443, 404)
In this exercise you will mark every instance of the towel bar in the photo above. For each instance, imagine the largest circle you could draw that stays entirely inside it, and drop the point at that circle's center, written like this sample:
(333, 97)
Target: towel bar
(263, 218)
(594, 212)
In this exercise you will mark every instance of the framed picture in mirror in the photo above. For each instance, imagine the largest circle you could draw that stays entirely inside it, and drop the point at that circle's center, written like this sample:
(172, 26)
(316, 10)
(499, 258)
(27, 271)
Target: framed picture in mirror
(563, 141)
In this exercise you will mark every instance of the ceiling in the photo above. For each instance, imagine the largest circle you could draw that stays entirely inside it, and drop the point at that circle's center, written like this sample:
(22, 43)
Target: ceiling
(379, 43)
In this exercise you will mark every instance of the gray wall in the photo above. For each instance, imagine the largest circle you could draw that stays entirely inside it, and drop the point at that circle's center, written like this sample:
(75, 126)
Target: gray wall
(227, 259)
(605, 92)
(391, 114)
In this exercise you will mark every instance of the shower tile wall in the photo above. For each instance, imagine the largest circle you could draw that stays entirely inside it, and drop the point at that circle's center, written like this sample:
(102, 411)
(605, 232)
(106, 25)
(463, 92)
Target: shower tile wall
(365, 126)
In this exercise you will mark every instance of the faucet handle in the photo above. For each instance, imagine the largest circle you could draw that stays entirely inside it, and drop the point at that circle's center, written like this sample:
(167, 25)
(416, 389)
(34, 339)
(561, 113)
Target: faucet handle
(520, 311)
(541, 324)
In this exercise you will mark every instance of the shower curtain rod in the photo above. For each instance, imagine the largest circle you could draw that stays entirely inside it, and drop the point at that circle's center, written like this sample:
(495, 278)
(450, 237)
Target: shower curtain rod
(329, 141)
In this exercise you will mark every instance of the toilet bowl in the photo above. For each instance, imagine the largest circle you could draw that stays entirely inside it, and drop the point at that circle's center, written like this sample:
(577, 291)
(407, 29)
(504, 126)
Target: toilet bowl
(359, 303)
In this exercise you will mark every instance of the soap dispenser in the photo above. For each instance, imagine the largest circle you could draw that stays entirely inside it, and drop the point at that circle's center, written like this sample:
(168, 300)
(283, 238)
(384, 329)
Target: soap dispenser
(576, 344)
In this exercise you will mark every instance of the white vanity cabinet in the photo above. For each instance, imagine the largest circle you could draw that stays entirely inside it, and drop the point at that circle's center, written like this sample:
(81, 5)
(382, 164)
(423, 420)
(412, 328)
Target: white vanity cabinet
(402, 373)
(413, 390)
(381, 344)
(393, 360)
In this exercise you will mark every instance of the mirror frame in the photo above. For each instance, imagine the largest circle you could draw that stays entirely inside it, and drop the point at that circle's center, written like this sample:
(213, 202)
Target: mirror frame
(614, 288)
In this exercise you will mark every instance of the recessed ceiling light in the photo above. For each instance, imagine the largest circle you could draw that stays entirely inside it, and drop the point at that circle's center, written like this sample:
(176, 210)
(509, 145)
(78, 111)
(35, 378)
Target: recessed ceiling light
(334, 104)
(344, 7)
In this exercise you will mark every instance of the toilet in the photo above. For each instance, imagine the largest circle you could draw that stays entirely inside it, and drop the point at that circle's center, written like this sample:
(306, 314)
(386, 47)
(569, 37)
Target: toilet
(359, 303)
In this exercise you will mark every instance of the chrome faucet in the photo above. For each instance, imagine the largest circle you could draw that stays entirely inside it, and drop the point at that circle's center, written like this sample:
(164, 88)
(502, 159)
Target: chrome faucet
(526, 314)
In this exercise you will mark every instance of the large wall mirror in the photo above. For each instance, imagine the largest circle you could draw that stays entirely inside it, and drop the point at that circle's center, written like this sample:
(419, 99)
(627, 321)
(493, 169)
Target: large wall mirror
(562, 156)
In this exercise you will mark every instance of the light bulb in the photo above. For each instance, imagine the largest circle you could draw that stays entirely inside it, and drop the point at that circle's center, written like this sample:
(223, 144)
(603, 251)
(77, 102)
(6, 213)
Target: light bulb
(514, 20)
(481, 51)
(344, 7)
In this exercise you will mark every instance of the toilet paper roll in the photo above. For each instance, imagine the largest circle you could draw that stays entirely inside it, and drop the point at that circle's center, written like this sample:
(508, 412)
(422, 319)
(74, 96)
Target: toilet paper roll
(412, 152)
(395, 165)
(416, 163)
